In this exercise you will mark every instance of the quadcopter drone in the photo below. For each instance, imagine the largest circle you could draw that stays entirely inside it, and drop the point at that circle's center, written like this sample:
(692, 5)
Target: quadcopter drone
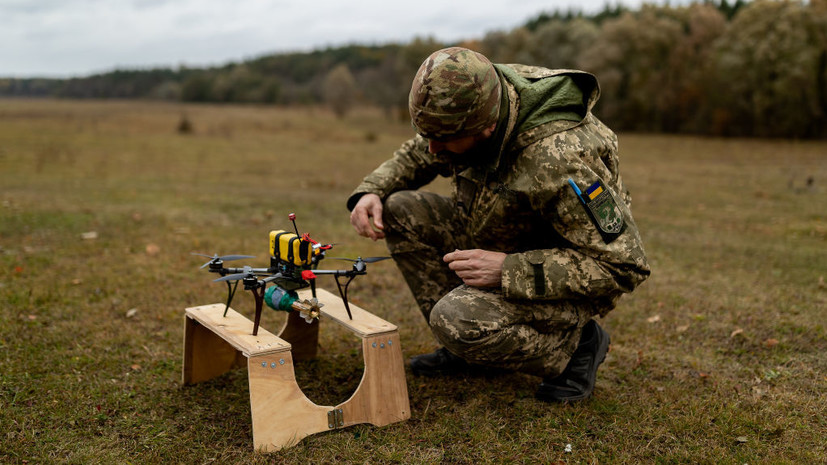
(294, 261)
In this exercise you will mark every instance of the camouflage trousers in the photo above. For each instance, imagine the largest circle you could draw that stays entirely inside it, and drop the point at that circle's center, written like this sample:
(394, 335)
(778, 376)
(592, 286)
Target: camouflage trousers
(479, 325)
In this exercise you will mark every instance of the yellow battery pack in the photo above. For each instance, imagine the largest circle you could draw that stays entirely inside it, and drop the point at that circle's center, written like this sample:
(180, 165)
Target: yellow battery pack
(290, 248)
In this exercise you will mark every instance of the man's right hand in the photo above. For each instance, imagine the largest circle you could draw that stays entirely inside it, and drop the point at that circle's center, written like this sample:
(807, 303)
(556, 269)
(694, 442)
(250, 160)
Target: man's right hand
(366, 217)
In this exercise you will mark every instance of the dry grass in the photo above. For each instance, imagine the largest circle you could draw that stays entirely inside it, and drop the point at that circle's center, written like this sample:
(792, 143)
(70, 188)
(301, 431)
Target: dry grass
(718, 358)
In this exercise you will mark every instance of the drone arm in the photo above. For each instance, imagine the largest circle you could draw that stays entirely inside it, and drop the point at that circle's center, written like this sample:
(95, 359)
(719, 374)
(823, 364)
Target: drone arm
(255, 271)
(340, 272)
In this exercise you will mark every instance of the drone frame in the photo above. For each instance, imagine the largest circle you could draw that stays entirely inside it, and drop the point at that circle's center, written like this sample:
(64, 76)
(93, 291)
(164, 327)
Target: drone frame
(283, 272)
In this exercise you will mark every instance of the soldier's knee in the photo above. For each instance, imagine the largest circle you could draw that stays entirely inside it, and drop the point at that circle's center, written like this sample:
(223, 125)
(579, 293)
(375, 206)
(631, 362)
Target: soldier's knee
(452, 326)
(396, 206)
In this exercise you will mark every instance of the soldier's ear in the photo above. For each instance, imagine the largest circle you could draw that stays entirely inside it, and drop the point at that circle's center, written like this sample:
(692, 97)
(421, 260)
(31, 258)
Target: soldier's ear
(487, 132)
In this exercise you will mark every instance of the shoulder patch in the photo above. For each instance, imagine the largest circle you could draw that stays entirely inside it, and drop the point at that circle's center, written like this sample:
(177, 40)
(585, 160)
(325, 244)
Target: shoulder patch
(602, 208)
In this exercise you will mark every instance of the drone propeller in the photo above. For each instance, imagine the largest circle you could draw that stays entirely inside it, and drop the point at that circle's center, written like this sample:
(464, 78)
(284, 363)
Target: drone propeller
(360, 264)
(360, 259)
(223, 258)
(232, 277)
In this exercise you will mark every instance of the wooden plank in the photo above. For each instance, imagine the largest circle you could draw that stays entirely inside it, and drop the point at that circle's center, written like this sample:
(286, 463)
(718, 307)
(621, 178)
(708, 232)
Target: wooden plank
(206, 355)
(364, 323)
(281, 414)
(382, 395)
(237, 330)
(302, 336)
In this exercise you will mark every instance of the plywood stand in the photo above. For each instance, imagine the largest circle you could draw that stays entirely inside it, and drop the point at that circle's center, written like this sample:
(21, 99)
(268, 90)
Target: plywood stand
(281, 414)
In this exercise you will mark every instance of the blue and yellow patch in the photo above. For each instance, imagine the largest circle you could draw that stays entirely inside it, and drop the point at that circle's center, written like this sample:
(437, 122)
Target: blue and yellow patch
(602, 209)
(595, 190)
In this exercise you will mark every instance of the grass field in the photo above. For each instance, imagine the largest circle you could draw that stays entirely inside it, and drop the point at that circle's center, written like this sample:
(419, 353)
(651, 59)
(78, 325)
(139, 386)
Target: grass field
(718, 358)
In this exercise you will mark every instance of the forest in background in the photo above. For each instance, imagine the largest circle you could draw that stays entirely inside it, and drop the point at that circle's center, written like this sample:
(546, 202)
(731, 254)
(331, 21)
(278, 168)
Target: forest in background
(713, 68)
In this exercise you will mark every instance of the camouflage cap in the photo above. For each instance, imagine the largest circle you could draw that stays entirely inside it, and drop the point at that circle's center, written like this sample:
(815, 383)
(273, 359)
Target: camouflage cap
(456, 93)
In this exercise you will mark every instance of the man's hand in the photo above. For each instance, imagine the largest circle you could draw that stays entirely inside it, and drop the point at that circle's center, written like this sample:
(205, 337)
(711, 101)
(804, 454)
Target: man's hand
(369, 206)
(477, 268)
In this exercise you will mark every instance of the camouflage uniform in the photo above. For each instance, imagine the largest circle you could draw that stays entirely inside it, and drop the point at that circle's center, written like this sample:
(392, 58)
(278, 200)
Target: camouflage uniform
(516, 198)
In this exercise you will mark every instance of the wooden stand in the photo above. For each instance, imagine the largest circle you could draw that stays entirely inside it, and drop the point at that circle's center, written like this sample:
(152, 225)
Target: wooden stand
(282, 415)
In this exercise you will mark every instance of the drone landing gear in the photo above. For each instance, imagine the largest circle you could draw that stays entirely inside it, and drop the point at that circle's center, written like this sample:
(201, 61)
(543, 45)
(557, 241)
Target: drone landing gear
(230, 293)
(343, 293)
(281, 414)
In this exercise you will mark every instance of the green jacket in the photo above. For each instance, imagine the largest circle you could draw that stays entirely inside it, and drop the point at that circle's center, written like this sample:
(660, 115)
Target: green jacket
(519, 199)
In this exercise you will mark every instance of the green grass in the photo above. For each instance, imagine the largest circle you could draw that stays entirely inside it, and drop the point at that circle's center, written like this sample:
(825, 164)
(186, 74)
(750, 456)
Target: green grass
(718, 358)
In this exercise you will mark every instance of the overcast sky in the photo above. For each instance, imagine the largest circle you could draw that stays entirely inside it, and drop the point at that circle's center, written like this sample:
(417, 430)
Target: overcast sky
(63, 38)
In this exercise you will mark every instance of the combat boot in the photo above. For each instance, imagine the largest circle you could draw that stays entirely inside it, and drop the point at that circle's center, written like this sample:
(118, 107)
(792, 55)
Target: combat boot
(577, 380)
(441, 362)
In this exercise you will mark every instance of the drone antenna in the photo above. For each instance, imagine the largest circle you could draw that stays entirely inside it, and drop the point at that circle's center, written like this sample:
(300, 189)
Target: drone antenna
(292, 217)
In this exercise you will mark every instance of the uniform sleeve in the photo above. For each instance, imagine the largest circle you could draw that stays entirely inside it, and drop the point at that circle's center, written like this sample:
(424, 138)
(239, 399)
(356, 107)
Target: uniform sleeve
(411, 167)
(588, 265)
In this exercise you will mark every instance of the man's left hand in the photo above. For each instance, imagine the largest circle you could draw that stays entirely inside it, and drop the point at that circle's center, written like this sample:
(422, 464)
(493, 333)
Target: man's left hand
(477, 268)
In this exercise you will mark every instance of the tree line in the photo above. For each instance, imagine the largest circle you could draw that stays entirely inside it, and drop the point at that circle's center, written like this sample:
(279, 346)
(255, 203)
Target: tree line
(715, 68)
